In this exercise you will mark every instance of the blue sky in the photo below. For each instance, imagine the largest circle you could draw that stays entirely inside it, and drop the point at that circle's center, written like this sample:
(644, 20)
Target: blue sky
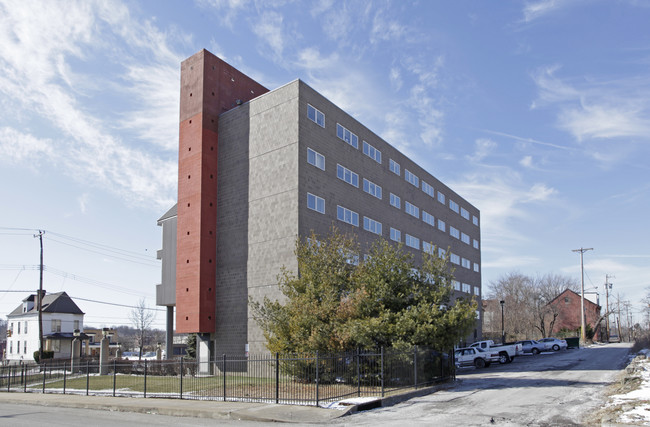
(537, 112)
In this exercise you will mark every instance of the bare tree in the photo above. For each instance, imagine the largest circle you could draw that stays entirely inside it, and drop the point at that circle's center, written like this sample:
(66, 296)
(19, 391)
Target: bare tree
(141, 318)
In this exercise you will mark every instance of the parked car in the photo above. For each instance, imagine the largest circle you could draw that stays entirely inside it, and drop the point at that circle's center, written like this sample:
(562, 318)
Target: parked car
(532, 346)
(507, 352)
(554, 344)
(478, 357)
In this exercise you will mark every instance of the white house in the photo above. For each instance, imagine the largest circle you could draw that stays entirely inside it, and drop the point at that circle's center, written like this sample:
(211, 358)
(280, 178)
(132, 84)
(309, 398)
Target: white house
(61, 316)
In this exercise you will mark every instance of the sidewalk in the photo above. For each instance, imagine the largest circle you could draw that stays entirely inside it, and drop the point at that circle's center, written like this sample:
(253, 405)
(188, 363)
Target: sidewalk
(218, 410)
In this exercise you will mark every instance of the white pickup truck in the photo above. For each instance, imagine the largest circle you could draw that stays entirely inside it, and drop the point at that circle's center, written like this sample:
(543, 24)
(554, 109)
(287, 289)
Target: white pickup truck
(507, 352)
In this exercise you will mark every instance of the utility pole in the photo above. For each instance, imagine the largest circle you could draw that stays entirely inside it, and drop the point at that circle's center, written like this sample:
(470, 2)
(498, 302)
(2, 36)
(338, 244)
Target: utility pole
(39, 301)
(608, 286)
(618, 304)
(583, 336)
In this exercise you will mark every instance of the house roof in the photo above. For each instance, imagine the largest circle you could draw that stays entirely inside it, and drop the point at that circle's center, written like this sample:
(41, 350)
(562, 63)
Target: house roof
(575, 294)
(59, 302)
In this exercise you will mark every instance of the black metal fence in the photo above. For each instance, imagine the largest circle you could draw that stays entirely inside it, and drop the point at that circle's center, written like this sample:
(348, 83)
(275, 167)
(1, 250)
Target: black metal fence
(314, 379)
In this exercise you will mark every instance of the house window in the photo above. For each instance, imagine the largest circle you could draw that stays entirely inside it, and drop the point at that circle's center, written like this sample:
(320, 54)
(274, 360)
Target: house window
(371, 152)
(56, 345)
(346, 215)
(347, 175)
(76, 324)
(393, 166)
(412, 210)
(56, 325)
(347, 136)
(453, 206)
(18, 328)
(315, 203)
(371, 225)
(372, 188)
(25, 328)
(395, 201)
(441, 225)
(11, 347)
(566, 300)
(25, 346)
(316, 159)
(412, 242)
(316, 116)
(428, 189)
(411, 177)
(464, 213)
(395, 235)
(18, 347)
(428, 218)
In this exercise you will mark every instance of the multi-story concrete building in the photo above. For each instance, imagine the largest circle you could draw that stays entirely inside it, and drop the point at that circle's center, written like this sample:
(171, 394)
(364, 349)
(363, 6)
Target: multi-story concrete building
(259, 168)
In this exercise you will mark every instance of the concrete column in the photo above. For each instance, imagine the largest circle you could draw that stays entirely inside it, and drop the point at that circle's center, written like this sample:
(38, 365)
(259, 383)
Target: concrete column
(169, 334)
(103, 356)
(203, 352)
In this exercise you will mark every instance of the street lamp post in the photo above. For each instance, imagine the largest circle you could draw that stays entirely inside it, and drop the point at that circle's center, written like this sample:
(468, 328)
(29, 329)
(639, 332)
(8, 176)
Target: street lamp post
(503, 330)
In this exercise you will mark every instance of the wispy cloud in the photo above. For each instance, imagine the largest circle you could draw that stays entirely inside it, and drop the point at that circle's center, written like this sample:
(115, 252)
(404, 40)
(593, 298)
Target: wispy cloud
(537, 9)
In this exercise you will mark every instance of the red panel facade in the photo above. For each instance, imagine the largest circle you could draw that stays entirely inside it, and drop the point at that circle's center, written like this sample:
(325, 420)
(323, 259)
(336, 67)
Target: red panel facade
(209, 87)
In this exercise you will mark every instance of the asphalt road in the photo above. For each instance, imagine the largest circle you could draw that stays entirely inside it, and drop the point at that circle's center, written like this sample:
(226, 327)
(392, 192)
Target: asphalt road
(559, 388)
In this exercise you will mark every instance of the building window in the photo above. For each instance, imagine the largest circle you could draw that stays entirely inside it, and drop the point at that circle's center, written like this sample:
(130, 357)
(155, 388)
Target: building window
(316, 159)
(427, 247)
(464, 213)
(466, 263)
(456, 284)
(442, 253)
(477, 291)
(346, 215)
(371, 152)
(316, 116)
(347, 136)
(395, 235)
(453, 231)
(371, 225)
(412, 242)
(453, 206)
(25, 328)
(428, 218)
(315, 203)
(411, 177)
(18, 328)
(464, 238)
(566, 300)
(441, 197)
(467, 288)
(475, 244)
(56, 325)
(395, 201)
(477, 268)
(441, 225)
(76, 324)
(18, 347)
(475, 220)
(393, 166)
(25, 346)
(372, 188)
(11, 347)
(412, 209)
(454, 258)
(428, 189)
(347, 175)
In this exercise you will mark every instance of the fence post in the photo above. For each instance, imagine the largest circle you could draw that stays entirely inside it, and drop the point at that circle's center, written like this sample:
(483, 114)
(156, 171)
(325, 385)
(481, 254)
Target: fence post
(8, 371)
(225, 371)
(382, 371)
(145, 378)
(65, 374)
(44, 374)
(415, 366)
(358, 372)
(277, 377)
(114, 375)
(87, 376)
(317, 382)
(181, 377)
(25, 383)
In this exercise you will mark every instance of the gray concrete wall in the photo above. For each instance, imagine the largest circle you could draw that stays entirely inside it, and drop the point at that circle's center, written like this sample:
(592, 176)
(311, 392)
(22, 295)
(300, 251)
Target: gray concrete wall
(166, 290)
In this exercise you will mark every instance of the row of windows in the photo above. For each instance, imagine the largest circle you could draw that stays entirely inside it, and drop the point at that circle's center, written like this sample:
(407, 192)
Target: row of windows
(350, 217)
(18, 327)
(11, 347)
(465, 287)
(316, 159)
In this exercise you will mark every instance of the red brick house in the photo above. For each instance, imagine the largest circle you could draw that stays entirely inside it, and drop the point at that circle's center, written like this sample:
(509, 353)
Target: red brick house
(567, 308)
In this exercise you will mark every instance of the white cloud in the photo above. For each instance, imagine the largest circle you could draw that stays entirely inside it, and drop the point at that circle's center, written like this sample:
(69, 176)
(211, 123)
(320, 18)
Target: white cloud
(83, 202)
(534, 10)
(482, 147)
(606, 121)
(526, 161)
(269, 29)
(22, 148)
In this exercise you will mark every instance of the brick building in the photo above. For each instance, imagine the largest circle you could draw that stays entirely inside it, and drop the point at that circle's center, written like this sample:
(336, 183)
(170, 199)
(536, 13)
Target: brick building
(567, 306)
(257, 169)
